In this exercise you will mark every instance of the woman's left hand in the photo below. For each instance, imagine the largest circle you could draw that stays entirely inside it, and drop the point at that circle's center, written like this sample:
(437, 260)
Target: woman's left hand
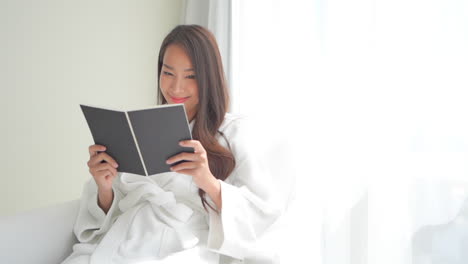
(195, 164)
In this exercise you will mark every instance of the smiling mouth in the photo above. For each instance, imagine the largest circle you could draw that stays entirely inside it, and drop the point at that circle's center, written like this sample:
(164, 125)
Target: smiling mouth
(179, 100)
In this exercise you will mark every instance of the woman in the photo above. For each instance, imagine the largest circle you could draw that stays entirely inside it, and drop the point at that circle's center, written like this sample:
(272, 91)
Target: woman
(212, 208)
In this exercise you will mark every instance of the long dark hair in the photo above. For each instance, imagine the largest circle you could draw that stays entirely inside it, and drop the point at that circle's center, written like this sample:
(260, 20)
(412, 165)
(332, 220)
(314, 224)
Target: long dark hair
(202, 49)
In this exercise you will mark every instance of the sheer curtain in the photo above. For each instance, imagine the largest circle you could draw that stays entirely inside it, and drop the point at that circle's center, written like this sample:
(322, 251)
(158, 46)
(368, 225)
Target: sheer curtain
(372, 95)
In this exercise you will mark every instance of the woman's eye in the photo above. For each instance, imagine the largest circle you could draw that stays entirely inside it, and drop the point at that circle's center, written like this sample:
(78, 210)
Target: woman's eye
(167, 73)
(191, 76)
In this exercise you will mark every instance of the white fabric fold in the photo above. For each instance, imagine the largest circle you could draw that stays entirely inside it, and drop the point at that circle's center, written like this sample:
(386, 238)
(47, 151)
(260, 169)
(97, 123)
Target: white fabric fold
(151, 224)
(249, 205)
(163, 204)
(92, 222)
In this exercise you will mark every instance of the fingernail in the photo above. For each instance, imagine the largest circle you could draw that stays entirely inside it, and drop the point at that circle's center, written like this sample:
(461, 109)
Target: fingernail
(116, 165)
(167, 162)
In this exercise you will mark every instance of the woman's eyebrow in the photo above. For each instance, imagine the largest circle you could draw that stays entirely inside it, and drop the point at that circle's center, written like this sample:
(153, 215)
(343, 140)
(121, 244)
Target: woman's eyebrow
(172, 68)
(169, 67)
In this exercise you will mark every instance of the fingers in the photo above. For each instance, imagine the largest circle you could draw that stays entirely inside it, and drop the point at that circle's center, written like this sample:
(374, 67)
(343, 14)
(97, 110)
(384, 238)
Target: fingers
(103, 167)
(199, 154)
(93, 149)
(183, 156)
(104, 174)
(192, 161)
(185, 166)
(195, 144)
(96, 159)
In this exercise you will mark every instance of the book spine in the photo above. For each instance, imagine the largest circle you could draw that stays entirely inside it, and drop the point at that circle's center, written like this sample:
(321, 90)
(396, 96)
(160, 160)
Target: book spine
(136, 143)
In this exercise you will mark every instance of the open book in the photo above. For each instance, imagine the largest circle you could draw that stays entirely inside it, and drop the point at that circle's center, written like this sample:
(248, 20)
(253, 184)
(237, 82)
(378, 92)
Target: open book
(141, 140)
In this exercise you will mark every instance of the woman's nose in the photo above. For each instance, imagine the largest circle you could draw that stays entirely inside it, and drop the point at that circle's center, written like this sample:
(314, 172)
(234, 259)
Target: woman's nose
(177, 85)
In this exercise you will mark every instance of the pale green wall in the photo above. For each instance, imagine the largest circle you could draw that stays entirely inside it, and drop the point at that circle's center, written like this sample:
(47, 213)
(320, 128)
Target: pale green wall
(55, 55)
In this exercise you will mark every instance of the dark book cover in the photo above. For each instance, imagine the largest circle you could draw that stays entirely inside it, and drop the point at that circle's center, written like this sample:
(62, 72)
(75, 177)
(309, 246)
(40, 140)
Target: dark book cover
(141, 140)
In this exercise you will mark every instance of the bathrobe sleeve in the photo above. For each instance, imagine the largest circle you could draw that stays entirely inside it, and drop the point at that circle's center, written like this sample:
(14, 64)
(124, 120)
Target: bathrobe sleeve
(248, 205)
(92, 221)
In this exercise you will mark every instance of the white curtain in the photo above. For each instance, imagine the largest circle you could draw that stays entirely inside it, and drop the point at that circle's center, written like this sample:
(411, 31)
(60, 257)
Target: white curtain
(373, 96)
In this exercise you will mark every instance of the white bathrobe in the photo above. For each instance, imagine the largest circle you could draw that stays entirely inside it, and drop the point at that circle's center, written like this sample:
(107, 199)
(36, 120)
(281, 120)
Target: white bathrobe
(160, 218)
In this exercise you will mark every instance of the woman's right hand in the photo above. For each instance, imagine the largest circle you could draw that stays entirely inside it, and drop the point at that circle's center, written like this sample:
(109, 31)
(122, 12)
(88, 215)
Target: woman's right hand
(102, 172)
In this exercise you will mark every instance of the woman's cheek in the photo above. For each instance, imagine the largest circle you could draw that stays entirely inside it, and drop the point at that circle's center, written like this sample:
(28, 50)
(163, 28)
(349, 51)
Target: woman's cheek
(163, 84)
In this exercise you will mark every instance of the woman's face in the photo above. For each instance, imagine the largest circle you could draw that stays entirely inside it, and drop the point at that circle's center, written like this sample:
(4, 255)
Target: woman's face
(177, 80)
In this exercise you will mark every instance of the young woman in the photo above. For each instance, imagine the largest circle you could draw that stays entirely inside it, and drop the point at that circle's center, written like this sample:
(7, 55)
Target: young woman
(212, 208)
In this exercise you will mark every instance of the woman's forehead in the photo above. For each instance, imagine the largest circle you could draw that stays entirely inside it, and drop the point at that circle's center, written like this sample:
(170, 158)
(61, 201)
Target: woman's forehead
(176, 58)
